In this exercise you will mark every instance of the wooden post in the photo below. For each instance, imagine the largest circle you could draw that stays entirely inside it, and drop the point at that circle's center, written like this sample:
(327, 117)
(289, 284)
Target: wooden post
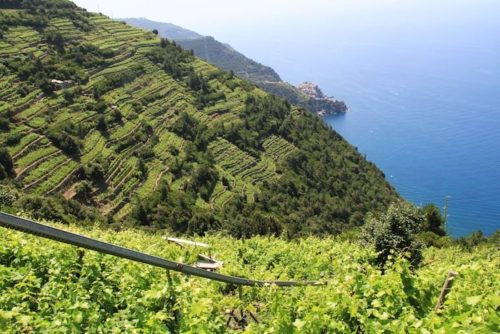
(444, 291)
(169, 280)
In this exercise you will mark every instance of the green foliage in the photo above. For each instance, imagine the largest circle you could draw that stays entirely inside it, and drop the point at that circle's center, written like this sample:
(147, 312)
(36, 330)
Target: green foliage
(7, 197)
(46, 286)
(6, 164)
(63, 138)
(58, 209)
(88, 55)
(93, 172)
(101, 124)
(41, 72)
(471, 241)
(116, 80)
(4, 124)
(116, 116)
(173, 58)
(429, 239)
(185, 126)
(83, 189)
(13, 139)
(393, 233)
(435, 222)
(55, 39)
(203, 181)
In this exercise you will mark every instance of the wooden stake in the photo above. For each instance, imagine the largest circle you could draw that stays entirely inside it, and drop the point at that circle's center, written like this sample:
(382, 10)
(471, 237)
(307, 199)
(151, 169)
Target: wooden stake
(444, 291)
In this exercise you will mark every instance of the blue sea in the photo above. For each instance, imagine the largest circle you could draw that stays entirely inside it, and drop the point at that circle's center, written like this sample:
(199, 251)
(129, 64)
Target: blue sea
(435, 134)
(424, 100)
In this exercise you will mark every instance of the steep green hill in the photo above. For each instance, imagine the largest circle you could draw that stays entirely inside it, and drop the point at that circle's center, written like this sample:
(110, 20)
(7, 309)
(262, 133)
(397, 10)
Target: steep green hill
(225, 57)
(48, 287)
(101, 119)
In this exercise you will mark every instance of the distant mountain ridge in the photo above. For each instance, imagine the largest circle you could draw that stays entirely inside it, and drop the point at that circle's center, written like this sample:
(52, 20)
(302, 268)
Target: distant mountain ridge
(224, 56)
(173, 31)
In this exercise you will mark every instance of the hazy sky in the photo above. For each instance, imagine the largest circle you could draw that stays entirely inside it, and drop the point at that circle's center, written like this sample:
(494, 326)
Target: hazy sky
(226, 17)
(287, 33)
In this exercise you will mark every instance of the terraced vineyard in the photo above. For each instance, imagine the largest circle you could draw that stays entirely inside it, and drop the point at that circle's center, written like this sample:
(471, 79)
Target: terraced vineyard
(278, 148)
(46, 286)
(106, 114)
(41, 166)
(239, 164)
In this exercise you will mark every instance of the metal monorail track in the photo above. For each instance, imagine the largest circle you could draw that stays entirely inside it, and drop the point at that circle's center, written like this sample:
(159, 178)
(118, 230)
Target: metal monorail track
(37, 229)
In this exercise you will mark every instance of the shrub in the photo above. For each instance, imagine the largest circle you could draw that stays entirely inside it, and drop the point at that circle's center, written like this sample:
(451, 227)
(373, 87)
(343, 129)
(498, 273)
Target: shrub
(434, 221)
(394, 232)
(471, 241)
(69, 95)
(83, 189)
(93, 172)
(3, 173)
(55, 39)
(13, 139)
(6, 164)
(202, 222)
(67, 143)
(7, 196)
(428, 239)
(58, 209)
(116, 116)
(4, 124)
(101, 125)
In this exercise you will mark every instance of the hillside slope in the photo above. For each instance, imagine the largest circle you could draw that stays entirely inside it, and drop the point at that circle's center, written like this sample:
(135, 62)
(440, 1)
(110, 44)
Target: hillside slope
(101, 119)
(225, 57)
(47, 286)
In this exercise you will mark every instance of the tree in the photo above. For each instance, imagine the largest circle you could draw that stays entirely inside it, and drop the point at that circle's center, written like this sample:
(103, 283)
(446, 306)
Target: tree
(435, 222)
(3, 173)
(155, 31)
(116, 116)
(47, 87)
(203, 181)
(394, 232)
(101, 124)
(67, 143)
(94, 172)
(4, 124)
(164, 42)
(69, 95)
(56, 39)
(185, 126)
(7, 196)
(202, 222)
(83, 189)
(140, 214)
(142, 169)
(6, 164)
